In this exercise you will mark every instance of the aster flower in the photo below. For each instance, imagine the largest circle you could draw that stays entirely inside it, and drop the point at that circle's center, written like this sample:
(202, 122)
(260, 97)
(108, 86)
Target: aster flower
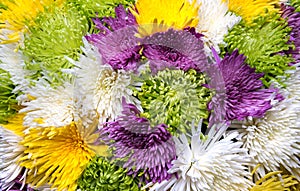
(158, 16)
(57, 34)
(101, 87)
(49, 106)
(273, 141)
(57, 156)
(115, 177)
(142, 147)
(213, 164)
(273, 181)
(214, 22)
(173, 97)
(293, 19)
(18, 15)
(243, 95)
(116, 40)
(174, 49)
(250, 9)
(261, 44)
(11, 151)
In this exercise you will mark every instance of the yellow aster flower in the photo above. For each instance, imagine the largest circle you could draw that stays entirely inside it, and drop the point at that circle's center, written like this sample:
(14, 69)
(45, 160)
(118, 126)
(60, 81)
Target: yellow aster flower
(159, 15)
(57, 156)
(250, 9)
(19, 14)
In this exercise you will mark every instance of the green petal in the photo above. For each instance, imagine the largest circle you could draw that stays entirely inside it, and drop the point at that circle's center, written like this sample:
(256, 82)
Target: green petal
(103, 8)
(102, 175)
(8, 102)
(58, 33)
(296, 4)
(175, 98)
(261, 43)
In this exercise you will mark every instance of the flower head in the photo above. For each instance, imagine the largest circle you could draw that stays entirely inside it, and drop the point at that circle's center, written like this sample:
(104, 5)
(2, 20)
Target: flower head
(18, 15)
(173, 97)
(49, 106)
(261, 44)
(57, 156)
(11, 151)
(250, 9)
(273, 141)
(213, 164)
(174, 49)
(141, 146)
(56, 35)
(116, 40)
(214, 22)
(100, 87)
(243, 94)
(158, 16)
(115, 177)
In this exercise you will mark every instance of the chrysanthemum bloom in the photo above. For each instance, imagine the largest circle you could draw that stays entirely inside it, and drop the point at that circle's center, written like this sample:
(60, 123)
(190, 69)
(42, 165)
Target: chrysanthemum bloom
(214, 164)
(214, 22)
(57, 156)
(18, 15)
(293, 19)
(11, 151)
(102, 175)
(273, 181)
(58, 33)
(116, 40)
(250, 9)
(100, 86)
(174, 49)
(173, 97)
(243, 95)
(158, 16)
(273, 141)
(142, 147)
(49, 106)
(261, 44)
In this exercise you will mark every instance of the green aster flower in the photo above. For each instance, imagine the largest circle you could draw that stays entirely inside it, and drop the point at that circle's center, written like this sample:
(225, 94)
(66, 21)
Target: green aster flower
(175, 98)
(101, 175)
(101, 8)
(8, 100)
(58, 33)
(261, 43)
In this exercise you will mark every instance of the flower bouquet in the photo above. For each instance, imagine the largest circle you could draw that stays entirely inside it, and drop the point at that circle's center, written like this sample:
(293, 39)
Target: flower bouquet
(159, 95)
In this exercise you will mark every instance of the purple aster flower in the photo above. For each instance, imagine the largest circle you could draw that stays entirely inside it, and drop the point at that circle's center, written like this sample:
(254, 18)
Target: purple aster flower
(148, 149)
(19, 185)
(293, 19)
(116, 40)
(242, 94)
(175, 49)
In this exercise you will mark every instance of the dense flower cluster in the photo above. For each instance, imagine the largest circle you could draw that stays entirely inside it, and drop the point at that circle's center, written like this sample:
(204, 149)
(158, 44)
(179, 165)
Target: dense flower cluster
(177, 95)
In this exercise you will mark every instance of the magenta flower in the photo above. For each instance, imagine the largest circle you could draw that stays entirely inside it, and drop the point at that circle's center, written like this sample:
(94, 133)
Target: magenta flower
(146, 149)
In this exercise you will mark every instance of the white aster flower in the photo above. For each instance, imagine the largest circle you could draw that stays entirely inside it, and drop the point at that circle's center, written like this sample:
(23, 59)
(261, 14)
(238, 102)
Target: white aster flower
(214, 22)
(12, 61)
(212, 165)
(274, 141)
(10, 153)
(50, 106)
(103, 86)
